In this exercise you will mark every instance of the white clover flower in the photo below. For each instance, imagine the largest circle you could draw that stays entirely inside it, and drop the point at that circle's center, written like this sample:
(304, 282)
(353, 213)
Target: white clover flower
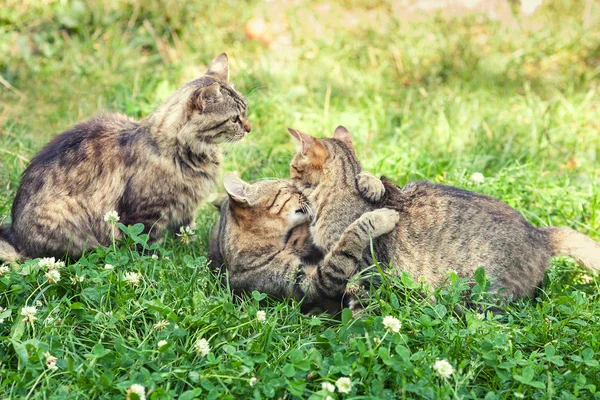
(59, 264)
(253, 381)
(261, 316)
(161, 343)
(51, 361)
(202, 347)
(519, 395)
(53, 276)
(4, 269)
(186, 234)
(528, 7)
(76, 279)
(133, 278)
(111, 217)
(344, 384)
(47, 262)
(154, 257)
(109, 267)
(161, 325)
(328, 398)
(29, 313)
(443, 368)
(328, 387)
(477, 178)
(2, 310)
(392, 324)
(138, 390)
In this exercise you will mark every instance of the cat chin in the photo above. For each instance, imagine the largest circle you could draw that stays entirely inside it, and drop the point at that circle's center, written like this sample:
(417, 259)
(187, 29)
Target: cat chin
(296, 218)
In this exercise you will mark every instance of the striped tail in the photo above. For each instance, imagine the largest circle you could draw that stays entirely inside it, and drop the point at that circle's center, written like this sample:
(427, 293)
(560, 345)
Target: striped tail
(8, 253)
(567, 242)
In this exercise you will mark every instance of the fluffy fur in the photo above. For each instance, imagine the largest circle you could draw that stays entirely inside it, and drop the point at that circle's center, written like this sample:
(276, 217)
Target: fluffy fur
(262, 240)
(155, 171)
(440, 227)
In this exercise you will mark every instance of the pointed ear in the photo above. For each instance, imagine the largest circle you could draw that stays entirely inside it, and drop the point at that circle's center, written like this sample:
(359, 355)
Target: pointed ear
(219, 68)
(236, 188)
(218, 202)
(208, 94)
(309, 147)
(342, 134)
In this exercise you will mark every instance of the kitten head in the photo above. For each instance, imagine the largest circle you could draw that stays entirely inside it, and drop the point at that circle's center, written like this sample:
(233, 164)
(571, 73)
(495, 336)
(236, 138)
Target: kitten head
(205, 110)
(324, 161)
(270, 208)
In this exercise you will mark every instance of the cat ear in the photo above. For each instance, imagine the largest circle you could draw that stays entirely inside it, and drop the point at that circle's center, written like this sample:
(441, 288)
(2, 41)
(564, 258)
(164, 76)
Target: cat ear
(219, 68)
(342, 134)
(309, 147)
(236, 188)
(208, 94)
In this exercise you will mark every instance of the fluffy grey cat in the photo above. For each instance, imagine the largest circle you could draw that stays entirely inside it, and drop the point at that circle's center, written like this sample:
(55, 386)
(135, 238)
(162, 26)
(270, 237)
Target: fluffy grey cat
(156, 171)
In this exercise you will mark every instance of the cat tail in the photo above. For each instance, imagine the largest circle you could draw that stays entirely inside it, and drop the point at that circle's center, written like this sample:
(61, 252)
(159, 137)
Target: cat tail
(567, 242)
(8, 253)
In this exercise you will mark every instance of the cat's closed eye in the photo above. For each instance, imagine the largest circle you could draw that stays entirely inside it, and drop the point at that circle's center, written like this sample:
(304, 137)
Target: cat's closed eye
(235, 119)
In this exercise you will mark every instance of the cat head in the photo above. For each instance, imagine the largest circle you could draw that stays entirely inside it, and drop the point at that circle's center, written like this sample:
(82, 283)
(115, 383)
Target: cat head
(270, 208)
(205, 110)
(328, 161)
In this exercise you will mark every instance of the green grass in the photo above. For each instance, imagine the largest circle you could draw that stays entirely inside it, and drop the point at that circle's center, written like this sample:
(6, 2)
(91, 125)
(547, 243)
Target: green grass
(434, 98)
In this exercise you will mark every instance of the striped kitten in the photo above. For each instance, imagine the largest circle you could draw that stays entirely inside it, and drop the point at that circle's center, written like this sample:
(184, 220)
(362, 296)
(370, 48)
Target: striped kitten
(155, 171)
(440, 227)
(262, 240)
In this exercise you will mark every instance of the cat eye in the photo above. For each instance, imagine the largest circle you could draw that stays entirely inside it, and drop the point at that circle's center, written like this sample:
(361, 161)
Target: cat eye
(235, 119)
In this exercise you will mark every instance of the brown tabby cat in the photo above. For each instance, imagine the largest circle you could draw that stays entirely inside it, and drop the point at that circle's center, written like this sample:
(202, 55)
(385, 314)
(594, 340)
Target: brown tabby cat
(440, 227)
(262, 239)
(155, 171)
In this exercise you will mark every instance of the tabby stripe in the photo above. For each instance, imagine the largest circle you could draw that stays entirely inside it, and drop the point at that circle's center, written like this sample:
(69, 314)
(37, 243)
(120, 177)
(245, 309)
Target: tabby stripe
(275, 199)
(264, 263)
(349, 255)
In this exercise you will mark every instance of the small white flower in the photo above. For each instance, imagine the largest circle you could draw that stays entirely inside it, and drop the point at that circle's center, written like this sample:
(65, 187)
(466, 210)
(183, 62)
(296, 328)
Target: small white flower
(51, 361)
(252, 381)
(477, 178)
(328, 387)
(519, 395)
(59, 264)
(186, 234)
(133, 278)
(392, 324)
(2, 310)
(38, 303)
(111, 217)
(344, 385)
(328, 398)
(29, 313)
(47, 262)
(76, 279)
(138, 390)
(451, 272)
(154, 257)
(161, 325)
(261, 316)
(109, 267)
(4, 269)
(202, 347)
(161, 343)
(53, 276)
(443, 368)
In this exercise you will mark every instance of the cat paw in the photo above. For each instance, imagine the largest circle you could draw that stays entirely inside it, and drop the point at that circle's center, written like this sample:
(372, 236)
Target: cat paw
(369, 186)
(382, 221)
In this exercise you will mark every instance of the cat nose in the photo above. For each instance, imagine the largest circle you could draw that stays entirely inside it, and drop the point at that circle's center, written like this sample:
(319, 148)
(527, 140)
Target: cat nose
(247, 126)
